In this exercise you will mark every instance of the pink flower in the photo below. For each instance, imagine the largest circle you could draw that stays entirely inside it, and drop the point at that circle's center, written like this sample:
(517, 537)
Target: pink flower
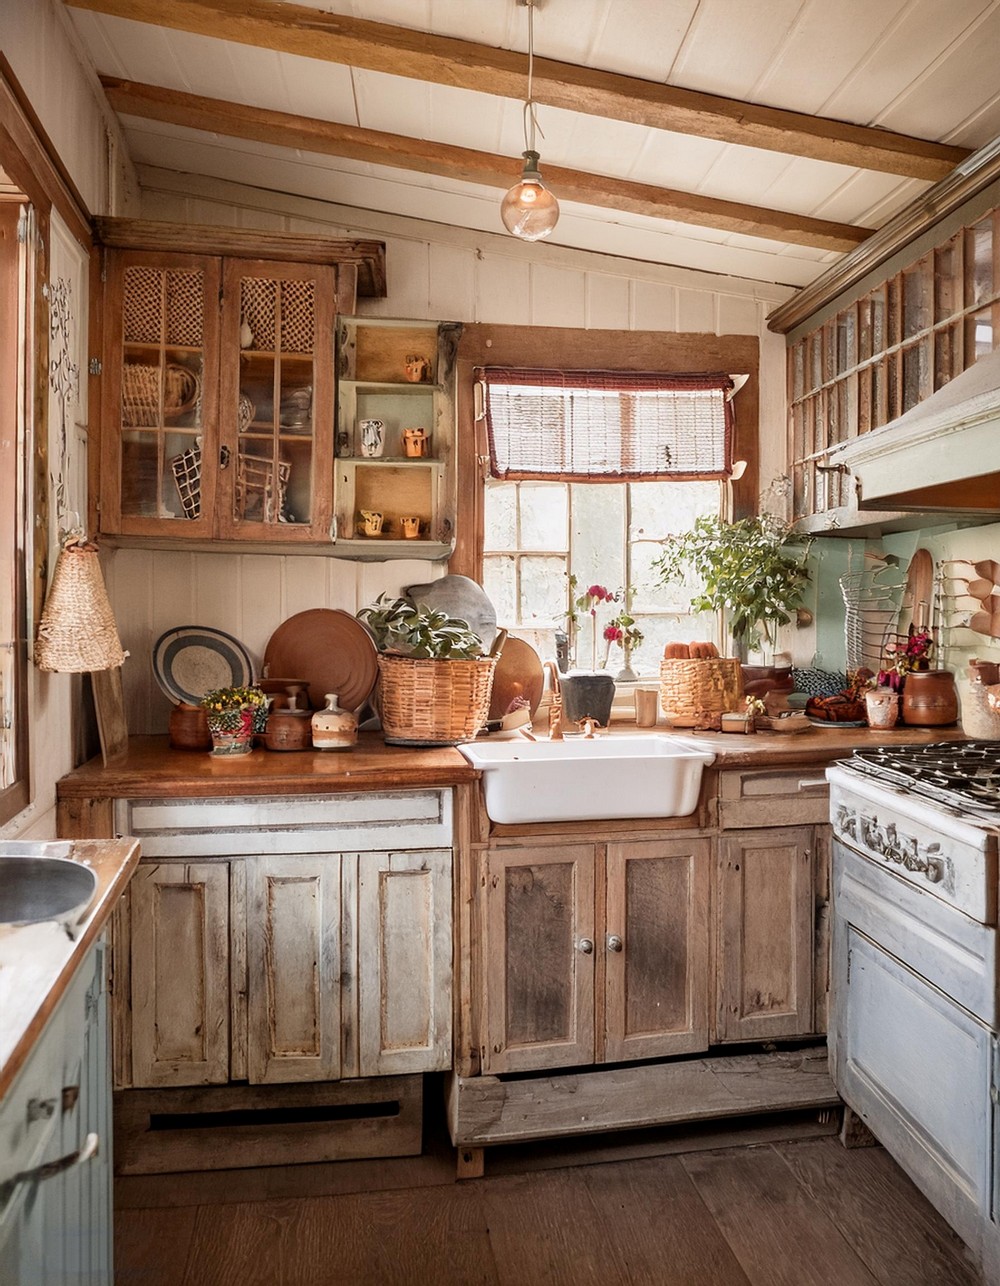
(613, 634)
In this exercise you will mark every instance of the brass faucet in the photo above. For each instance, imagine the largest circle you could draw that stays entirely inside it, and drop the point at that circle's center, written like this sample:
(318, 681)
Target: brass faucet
(555, 704)
(588, 725)
(555, 717)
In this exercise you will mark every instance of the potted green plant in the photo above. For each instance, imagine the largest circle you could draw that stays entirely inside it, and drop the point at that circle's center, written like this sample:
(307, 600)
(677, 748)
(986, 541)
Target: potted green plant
(434, 681)
(234, 715)
(753, 569)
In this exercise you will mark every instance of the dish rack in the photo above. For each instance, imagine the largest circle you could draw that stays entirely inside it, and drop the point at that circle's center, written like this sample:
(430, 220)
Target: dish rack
(873, 599)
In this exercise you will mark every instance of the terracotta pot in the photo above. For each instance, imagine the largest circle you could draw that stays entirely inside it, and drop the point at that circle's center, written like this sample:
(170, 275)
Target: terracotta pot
(930, 699)
(188, 728)
(288, 730)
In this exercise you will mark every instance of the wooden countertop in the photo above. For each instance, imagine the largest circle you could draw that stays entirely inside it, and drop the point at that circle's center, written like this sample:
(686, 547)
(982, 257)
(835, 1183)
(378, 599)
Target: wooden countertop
(38, 961)
(152, 768)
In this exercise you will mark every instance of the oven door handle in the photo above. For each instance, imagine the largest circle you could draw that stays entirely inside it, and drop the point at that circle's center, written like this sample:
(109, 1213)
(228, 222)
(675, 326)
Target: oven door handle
(812, 783)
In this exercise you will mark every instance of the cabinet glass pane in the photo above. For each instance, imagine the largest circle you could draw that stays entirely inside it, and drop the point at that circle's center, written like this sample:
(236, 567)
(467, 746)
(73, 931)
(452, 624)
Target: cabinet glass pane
(657, 901)
(162, 378)
(540, 953)
(979, 262)
(275, 462)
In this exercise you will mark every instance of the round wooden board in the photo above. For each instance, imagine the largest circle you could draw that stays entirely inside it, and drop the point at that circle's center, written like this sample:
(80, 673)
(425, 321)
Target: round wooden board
(331, 650)
(518, 674)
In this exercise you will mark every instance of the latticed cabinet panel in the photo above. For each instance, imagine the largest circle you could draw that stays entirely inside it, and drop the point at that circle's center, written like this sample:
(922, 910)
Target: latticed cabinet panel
(276, 404)
(160, 394)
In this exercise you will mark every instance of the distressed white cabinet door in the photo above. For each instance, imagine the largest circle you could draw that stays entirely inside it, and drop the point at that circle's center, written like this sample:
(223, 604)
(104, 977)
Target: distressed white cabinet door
(539, 958)
(656, 949)
(766, 914)
(293, 971)
(180, 973)
(401, 931)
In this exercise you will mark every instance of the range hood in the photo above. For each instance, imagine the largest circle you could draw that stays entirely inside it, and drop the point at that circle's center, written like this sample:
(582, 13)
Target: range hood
(943, 455)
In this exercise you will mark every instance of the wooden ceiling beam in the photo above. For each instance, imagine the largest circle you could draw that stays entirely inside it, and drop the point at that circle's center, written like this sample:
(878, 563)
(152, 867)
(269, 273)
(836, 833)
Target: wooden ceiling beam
(260, 125)
(398, 51)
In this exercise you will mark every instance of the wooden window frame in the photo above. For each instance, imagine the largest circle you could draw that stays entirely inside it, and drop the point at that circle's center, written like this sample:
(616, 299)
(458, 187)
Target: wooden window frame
(483, 344)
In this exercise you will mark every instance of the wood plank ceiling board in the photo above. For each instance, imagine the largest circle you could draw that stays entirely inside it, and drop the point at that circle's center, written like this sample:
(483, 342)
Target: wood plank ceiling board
(425, 56)
(238, 121)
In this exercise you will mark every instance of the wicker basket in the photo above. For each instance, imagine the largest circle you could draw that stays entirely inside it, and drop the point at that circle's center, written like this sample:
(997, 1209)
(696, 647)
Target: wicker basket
(694, 694)
(433, 703)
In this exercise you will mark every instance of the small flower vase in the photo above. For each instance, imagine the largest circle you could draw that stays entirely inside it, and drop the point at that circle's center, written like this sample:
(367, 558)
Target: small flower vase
(626, 674)
(232, 731)
(882, 705)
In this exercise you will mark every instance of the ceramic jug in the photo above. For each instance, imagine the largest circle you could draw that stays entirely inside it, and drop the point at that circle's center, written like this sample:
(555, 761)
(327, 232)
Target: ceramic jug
(372, 434)
(930, 699)
(334, 728)
(373, 522)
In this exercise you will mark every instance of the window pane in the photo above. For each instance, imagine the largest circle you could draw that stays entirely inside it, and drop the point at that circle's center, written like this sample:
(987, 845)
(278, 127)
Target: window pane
(499, 584)
(544, 515)
(543, 592)
(500, 516)
(598, 534)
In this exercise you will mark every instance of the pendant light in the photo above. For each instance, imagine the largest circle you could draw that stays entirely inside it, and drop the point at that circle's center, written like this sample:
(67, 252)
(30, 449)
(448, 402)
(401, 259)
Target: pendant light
(529, 210)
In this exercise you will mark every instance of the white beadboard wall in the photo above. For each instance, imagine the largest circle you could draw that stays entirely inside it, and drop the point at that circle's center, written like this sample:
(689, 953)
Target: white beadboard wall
(433, 272)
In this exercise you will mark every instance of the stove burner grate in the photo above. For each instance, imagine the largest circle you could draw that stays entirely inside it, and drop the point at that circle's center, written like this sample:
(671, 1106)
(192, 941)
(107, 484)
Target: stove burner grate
(963, 775)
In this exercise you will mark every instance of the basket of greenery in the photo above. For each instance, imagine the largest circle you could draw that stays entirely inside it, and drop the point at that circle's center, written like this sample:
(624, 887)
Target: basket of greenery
(434, 682)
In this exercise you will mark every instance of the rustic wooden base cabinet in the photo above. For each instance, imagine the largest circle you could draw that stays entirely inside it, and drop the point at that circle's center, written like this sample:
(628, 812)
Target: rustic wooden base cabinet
(613, 961)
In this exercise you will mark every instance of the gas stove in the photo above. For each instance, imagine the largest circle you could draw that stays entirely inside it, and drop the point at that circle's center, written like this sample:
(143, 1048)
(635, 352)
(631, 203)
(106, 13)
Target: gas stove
(964, 776)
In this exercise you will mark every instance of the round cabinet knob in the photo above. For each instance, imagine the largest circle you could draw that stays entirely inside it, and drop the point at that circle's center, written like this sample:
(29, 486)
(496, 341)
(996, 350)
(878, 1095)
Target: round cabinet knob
(614, 942)
(585, 945)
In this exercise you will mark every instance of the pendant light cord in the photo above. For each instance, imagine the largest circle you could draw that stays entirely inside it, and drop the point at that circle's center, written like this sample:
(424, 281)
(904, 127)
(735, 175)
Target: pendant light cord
(531, 125)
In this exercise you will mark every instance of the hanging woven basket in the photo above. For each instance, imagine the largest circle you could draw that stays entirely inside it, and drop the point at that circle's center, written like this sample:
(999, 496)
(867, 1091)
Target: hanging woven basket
(77, 631)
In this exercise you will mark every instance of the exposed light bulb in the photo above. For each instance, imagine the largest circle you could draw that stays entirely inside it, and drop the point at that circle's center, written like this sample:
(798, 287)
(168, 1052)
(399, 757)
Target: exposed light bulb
(529, 210)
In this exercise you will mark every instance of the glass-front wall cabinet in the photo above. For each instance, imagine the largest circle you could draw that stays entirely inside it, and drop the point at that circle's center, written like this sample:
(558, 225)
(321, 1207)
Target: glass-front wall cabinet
(881, 355)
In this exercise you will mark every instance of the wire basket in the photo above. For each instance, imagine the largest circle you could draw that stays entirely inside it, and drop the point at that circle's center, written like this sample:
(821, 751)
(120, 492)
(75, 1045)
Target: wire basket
(260, 488)
(696, 693)
(433, 703)
(186, 469)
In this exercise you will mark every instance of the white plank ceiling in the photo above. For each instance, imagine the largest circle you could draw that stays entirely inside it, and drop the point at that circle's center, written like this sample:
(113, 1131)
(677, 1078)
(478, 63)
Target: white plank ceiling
(923, 68)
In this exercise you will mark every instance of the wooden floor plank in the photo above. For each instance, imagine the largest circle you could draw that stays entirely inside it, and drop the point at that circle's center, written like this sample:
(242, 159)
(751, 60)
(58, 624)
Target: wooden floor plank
(153, 1246)
(659, 1227)
(890, 1225)
(389, 1238)
(546, 1228)
(779, 1234)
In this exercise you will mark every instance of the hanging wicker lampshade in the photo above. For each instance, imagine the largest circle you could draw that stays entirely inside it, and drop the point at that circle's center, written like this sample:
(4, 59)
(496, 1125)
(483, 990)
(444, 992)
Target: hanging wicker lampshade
(77, 631)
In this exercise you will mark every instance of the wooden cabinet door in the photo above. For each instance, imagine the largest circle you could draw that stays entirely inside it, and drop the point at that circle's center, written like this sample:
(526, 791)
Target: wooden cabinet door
(765, 934)
(293, 972)
(400, 952)
(159, 443)
(656, 949)
(539, 958)
(276, 401)
(179, 931)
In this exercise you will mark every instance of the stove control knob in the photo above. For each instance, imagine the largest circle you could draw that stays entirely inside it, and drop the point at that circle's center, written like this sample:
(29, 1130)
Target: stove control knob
(935, 870)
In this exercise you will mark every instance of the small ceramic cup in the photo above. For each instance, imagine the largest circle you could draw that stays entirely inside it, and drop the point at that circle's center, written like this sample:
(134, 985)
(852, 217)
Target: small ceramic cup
(414, 443)
(372, 521)
(411, 528)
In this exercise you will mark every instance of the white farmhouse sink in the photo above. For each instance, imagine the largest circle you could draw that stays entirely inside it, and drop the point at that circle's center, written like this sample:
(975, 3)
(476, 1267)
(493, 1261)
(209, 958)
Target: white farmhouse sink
(581, 779)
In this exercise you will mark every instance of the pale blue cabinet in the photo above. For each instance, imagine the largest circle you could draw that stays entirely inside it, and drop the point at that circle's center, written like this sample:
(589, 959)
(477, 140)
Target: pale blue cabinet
(55, 1146)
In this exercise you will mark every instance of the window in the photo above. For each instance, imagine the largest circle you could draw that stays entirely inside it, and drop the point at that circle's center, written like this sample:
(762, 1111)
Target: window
(13, 625)
(589, 472)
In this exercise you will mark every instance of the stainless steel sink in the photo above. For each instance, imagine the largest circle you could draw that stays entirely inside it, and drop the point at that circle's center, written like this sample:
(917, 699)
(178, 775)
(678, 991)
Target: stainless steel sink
(39, 882)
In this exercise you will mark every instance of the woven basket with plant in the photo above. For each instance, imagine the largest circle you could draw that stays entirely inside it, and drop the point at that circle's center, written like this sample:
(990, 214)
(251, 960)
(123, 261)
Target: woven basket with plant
(434, 682)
